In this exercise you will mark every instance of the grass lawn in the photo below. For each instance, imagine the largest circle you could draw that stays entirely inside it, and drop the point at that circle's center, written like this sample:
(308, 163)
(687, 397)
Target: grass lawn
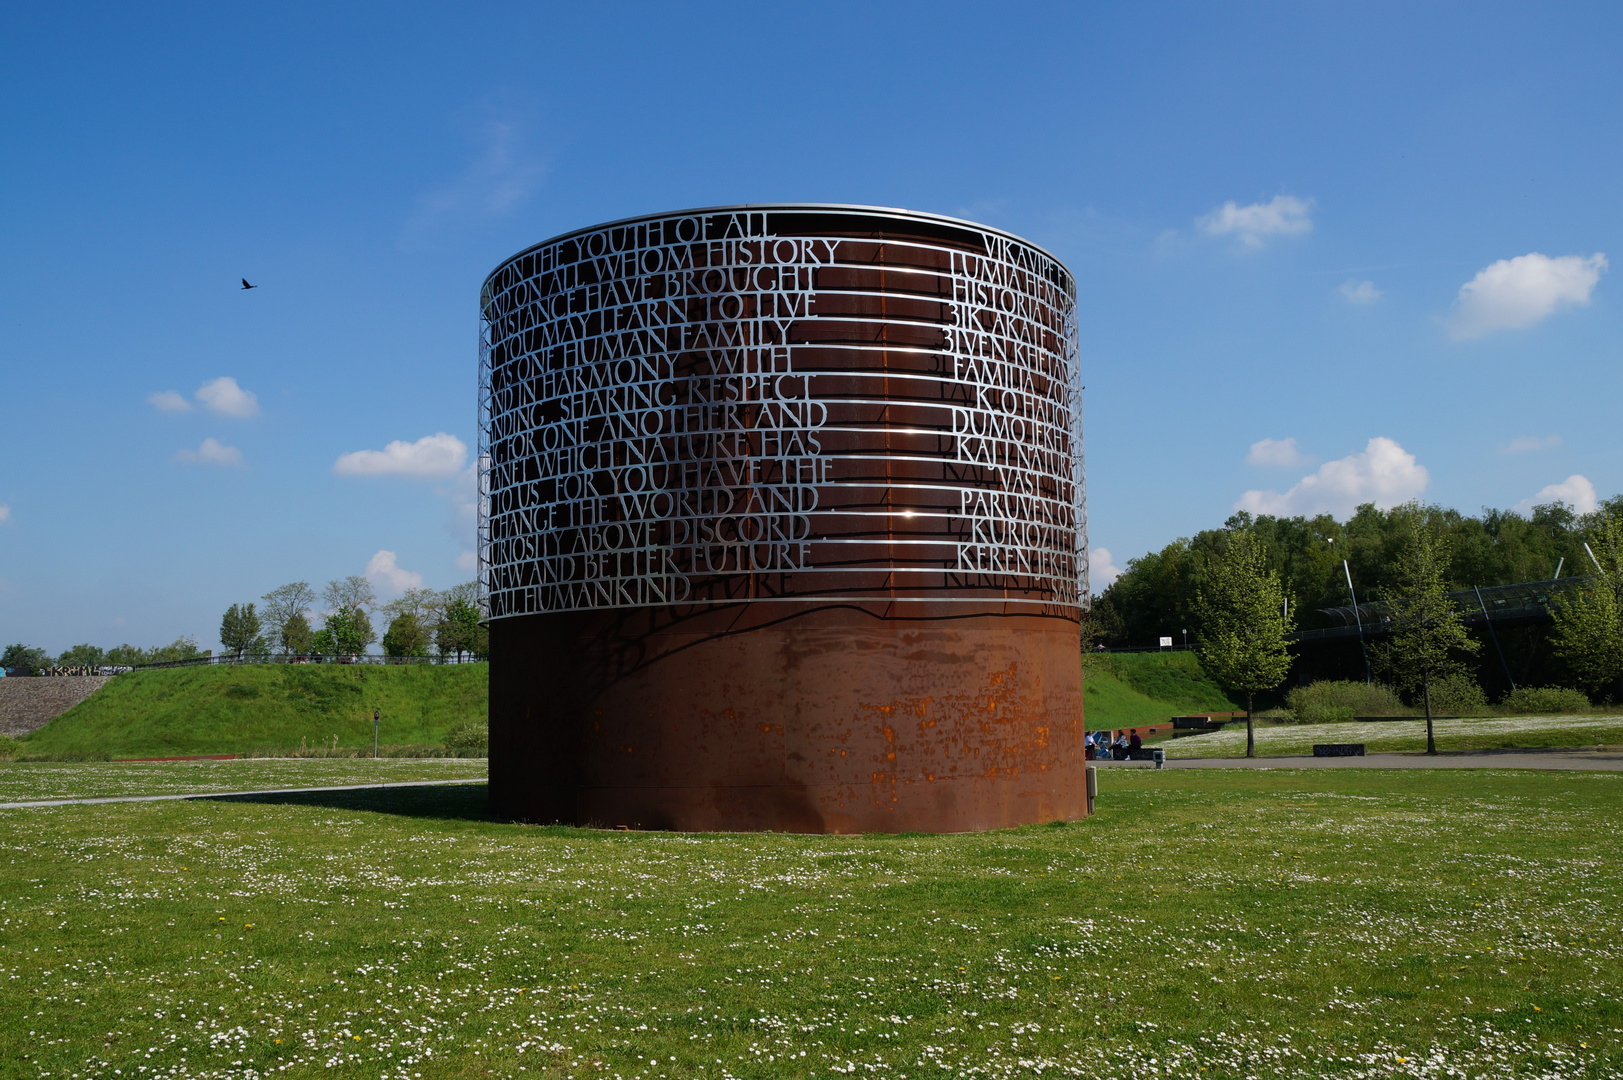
(26, 781)
(1407, 735)
(1204, 924)
(232, 709)
(1136, 689)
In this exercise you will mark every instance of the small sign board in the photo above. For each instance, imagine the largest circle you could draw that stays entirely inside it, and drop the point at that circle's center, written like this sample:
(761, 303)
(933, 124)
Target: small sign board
(1166, 643)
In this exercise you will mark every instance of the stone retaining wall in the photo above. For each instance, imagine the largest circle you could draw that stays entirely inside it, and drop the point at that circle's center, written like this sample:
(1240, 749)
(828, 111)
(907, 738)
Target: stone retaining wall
(27, 704)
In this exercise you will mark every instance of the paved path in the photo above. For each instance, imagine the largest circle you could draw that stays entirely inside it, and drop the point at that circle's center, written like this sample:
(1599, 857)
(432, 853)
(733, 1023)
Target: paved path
(1609, 760)
(233, 794)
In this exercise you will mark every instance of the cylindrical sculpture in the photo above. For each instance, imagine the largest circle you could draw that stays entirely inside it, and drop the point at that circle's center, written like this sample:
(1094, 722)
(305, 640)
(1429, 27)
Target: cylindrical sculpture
(782, 524)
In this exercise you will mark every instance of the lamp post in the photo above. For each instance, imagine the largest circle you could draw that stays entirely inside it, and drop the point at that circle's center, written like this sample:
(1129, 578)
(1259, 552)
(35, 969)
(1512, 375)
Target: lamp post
(1358, 618)
(1186, 641)
(374, 734)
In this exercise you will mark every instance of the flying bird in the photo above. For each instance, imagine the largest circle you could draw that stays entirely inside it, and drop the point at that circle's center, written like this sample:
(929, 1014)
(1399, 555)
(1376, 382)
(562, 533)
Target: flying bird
(245, 284)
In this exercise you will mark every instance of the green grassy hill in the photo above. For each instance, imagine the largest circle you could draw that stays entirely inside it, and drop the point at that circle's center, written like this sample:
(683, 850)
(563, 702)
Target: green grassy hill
(223, 710)
(1129, 689)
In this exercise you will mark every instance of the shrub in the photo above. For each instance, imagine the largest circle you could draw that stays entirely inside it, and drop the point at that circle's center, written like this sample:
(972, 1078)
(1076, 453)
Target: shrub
(10, 749)
(469, 735)
(1456, 695)
(1329, 700)
(1553, 700)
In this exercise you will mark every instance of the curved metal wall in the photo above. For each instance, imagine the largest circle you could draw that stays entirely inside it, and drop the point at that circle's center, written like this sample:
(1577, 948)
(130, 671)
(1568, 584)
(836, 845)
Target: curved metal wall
(778, 421)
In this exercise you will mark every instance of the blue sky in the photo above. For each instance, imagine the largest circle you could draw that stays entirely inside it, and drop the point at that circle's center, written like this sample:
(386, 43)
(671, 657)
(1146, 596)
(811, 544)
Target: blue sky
(1326, 253)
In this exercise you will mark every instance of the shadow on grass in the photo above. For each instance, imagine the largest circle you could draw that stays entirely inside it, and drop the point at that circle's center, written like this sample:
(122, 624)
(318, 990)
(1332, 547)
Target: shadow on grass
(452, 802)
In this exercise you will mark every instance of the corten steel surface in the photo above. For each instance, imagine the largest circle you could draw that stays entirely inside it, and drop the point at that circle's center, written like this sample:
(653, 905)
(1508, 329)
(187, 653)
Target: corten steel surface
(782, 524)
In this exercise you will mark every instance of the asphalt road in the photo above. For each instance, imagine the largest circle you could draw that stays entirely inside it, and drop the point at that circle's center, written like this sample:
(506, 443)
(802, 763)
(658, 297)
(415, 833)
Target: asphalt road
(230, 794)
(1603, 760)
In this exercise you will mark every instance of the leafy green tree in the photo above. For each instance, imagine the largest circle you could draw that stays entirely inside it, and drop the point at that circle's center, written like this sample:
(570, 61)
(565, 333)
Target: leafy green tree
(24, 659)
(406, 636)
(353, 592)
(126, 655)
(82, 656)
(425, 604)
(282, 605)
(458, 629)
(295, 636)
(1242, 619)
(461, 629)
(348, 624)
(322, 643)
(1589, 623)
(239, 630)
(351, 631)
(1427, 634)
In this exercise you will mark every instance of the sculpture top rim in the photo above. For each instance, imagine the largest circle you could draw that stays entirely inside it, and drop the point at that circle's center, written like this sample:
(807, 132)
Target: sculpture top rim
(888, 211)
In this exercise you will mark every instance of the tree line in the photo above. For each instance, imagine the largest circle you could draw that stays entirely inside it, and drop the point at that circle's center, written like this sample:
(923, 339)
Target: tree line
(448, 622)
(22, 659)
(1156, 594)
(1233, 587)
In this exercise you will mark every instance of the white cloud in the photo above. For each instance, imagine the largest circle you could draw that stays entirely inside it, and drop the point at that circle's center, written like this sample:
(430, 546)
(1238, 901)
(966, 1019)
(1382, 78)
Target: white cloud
(1523, 444)
(168, 401)
(388, 578)
(1277, 453)
(499, 180)
(1513, 293)
(463, 495)
(1359, 292)
(211, 452)
(468, 561)
(431, 456)
(5, 513)
(225, 397)
(1384, 474)
(1286, 215)
(1102, 569)
(1576, 491)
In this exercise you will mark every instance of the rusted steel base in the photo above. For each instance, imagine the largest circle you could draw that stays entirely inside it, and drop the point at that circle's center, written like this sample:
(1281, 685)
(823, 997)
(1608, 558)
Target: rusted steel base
(775, 717)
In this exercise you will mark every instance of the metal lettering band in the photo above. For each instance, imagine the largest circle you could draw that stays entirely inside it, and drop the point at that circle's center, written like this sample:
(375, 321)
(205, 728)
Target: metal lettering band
(807, 403)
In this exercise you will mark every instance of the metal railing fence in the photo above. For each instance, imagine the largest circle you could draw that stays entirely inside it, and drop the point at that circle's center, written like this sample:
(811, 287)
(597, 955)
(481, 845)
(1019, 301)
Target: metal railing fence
(309, 658)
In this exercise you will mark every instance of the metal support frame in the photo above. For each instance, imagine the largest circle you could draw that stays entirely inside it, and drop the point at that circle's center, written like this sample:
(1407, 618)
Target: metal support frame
(1488, 619)
(788, 403)
(1369, 675)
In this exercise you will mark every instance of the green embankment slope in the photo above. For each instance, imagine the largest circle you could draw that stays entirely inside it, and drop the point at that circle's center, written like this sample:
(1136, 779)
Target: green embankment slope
(224, 710)
(1129, 689)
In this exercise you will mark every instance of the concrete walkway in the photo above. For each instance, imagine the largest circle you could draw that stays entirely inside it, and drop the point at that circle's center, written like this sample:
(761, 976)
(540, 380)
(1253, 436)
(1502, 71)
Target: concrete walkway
(232, 794)
(1604, 760)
